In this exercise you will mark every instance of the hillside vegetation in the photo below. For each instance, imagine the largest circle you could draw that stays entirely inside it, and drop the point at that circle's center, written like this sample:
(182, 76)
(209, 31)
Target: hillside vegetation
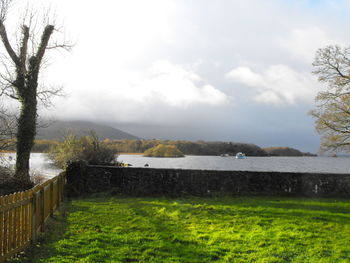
(162, 150)
(186, 147)
(59, 129)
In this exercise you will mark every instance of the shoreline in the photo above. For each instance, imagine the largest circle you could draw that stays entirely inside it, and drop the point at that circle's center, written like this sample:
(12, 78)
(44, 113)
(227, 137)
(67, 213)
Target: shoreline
(126, 153)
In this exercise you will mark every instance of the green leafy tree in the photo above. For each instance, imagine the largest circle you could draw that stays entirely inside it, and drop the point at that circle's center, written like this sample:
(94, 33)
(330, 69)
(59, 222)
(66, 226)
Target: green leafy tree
(332, 113)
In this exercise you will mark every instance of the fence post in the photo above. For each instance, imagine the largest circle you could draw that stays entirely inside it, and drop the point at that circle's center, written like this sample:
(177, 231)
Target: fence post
(42, 206)
(6, 223)
(63, 182)
(34, 207)
(51, 198)
(10, 224)
(58, 192)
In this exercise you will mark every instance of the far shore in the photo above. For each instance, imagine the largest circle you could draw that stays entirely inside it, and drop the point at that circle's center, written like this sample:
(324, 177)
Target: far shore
(126, 153)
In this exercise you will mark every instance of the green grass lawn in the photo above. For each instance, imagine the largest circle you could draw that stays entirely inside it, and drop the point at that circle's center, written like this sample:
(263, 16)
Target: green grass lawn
(222, 229)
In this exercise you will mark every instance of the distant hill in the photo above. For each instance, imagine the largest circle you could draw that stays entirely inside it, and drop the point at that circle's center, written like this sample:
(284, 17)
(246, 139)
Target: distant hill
(285, 151)
(58, 129)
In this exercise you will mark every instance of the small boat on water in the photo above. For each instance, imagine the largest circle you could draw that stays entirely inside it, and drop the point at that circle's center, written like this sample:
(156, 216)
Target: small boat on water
(224, 155)
(240, 155)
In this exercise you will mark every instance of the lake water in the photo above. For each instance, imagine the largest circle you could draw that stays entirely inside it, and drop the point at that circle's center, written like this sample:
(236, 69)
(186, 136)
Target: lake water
(41, 164)
(280, 164)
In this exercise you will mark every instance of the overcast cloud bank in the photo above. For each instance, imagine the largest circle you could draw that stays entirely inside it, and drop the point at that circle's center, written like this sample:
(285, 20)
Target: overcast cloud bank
(239, 70)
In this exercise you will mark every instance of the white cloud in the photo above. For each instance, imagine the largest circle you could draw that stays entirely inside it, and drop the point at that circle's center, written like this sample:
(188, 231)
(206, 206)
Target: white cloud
(277, 85)
(139, 95)
(110, 76)
(302, 43)
(174, 86)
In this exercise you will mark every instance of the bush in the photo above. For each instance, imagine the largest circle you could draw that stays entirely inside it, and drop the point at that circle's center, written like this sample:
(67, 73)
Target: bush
(87, 148)
(5, 174)
(8, 184)
(162, 150)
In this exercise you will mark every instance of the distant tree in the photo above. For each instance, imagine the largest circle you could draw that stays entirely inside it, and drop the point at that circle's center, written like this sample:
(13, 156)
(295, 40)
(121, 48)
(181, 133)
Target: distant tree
(283, 151)
(162, 150)
(19, 79)
(332, 113)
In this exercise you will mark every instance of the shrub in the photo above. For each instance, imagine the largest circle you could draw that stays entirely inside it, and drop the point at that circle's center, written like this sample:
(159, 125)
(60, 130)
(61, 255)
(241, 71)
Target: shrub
(87, 148)
(8, 184)
(162, 150)
(5, 174)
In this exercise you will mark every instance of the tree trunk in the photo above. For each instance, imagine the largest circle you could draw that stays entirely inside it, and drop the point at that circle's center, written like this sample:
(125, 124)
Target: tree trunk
(25, 136)
(25, 84)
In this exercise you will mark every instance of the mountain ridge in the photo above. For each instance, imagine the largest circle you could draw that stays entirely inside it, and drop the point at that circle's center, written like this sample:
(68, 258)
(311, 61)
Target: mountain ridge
(58, 129)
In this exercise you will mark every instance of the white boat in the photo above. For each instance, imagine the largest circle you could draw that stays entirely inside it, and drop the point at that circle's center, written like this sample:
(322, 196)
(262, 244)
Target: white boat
(240, 155)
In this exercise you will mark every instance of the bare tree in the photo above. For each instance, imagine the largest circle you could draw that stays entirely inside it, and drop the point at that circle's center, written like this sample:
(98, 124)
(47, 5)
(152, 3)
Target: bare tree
(20, 80)
(7, 129)
(332, 113)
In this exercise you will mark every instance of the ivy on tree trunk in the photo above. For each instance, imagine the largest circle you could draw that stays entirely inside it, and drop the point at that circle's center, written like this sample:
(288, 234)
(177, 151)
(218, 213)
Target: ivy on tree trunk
(24, 83)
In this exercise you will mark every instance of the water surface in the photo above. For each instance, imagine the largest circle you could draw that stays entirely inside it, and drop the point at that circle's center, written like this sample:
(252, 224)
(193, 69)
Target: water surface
(40, 164)
(280, 164)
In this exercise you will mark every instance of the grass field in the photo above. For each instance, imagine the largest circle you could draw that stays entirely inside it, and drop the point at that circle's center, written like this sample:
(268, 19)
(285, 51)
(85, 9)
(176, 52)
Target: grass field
(222, 229)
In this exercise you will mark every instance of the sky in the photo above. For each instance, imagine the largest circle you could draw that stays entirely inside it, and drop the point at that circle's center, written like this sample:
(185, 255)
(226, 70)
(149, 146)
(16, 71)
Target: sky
(223, 70)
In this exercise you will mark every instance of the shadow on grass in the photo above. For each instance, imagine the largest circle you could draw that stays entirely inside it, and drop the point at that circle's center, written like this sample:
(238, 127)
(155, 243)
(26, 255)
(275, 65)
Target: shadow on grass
(175, 239)
(127, 229)
(53, 232)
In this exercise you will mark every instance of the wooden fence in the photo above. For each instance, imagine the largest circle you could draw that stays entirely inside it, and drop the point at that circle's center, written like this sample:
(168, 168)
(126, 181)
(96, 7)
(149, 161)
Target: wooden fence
(23, 215)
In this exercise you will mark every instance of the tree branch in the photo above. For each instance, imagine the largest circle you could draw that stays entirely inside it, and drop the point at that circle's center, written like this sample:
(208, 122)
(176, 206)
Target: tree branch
(43, 44)
(24, 48)
(7, 45)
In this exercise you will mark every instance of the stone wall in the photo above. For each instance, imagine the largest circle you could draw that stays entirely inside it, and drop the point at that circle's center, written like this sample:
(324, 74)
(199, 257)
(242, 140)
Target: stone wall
(149, 181)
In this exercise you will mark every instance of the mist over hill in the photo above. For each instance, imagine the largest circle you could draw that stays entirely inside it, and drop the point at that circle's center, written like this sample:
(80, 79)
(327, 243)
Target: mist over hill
(58, 129)
(122, 141)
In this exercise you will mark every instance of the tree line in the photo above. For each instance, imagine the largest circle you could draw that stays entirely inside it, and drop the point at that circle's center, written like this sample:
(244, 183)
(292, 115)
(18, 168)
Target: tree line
(186, 147)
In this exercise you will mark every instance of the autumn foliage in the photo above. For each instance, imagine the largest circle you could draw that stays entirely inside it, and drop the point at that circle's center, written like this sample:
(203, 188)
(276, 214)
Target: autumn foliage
(162, 150)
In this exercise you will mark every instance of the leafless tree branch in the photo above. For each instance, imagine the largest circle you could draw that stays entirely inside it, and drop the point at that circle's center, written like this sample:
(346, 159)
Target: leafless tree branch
(332, 113)
(19, 77)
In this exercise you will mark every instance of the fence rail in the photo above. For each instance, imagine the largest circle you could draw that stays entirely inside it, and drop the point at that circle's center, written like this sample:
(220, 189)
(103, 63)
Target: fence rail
(24, 214)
